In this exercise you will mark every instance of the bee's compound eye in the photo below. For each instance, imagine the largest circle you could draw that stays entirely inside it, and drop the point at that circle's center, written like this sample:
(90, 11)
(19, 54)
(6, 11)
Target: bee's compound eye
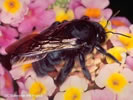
(56, 23)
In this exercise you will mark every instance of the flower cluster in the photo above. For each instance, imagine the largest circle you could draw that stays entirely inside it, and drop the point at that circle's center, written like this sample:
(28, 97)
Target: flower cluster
(110, 81)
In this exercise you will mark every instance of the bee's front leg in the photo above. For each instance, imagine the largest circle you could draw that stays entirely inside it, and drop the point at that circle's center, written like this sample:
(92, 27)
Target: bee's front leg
(103, 51)
(84, 68)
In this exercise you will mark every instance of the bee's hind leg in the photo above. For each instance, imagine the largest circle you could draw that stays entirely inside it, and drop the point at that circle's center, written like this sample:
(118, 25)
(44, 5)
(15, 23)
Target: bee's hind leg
(43, 66)
(65, 71)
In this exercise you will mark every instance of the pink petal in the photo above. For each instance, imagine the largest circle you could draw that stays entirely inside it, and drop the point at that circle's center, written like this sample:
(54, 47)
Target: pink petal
(131, 28)
(122, 29)
(74, 4)
(41, 3)
(127, 93)
(95, 3)
(29, 82)
(128, 74)
(2, 82)
(59, 96)
(74, 81)
(1, 70)
(105, 72)
(11, 32)
(25, 96)
(25, 27)
(107, 13)
(102, 95)
(114, 40)
(129, 62)
(49, 83)
(42, 98)
(45, 20)
(79, 12)
(86, 96)
(17, 73)
(123, 20)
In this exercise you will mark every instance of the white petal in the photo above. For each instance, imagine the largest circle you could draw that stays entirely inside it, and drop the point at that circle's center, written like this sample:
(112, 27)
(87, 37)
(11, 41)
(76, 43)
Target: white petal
(59, 96)
(74, 81)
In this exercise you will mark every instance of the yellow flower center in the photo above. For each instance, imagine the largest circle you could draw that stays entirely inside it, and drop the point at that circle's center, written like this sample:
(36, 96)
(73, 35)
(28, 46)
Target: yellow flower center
(12, 6)
(37, 89)
(62, 15)
(116, 82)
(26, 67)
(117, 22)
(93, 12)
(127, 42)
(73, 94)
(116, 52)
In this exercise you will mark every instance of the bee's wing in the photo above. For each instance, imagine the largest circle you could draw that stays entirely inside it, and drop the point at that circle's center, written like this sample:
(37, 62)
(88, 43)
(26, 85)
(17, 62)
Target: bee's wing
(39, 51)
(36, 46)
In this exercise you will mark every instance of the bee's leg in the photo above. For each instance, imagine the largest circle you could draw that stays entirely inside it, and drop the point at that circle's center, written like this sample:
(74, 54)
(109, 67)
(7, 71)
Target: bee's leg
(47, 64)
(65, 71)
(84, 68)
(103, 51)
(37, 68)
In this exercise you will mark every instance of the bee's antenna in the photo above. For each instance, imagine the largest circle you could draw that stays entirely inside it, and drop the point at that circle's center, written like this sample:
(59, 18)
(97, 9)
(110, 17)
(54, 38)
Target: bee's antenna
(119, 34)
(115, 14)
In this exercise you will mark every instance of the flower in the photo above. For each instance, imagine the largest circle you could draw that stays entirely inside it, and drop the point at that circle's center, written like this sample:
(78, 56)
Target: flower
(72, 89)
(13, 11)
(7, 37)
(38, 17)
(62, 15)
(129, 62)
(97, 94)
(116, 79)
(6, 84)
(91, 8)
(119, 21)
(20, 71)
(118, 52)
(39, 88)
(123, 41)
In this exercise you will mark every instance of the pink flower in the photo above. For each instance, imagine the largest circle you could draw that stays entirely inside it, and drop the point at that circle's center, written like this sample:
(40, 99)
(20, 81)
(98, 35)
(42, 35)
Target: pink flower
(94, 9)
(120, 21)
(73, 88)
(39, 88)
(18, 72)
(129, 62)
(116, 79)
(37, 17)
(6, 84)
(96, 94)
(7, 37)
(123, 41)
(13, 11)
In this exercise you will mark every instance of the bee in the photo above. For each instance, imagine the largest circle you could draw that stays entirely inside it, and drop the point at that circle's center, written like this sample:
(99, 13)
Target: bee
(65, 40)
